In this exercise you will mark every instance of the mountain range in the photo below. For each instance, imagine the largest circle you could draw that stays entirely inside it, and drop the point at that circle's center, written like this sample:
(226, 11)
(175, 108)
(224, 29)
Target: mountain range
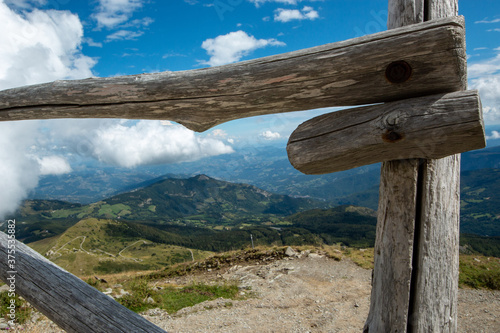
(175, 213)
(265, 167)
(195, 201)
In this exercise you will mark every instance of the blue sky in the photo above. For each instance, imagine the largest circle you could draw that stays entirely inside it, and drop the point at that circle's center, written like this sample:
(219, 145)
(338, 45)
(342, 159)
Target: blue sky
(47, 40)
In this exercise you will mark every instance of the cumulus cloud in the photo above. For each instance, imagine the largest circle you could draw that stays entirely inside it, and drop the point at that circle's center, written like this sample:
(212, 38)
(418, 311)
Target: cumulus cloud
(53, 165)
(287, 15)
(128, 143)
(37, 46)
(233, 46)
(149, 142)
(269, 135)
(40, 46)
(19, 172)
(485, 77)
(112, 13)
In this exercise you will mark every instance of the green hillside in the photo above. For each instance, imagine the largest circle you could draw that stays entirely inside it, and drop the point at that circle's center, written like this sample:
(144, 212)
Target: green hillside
(349, 225)
(204, 198)
(197, 201)
(95, 246)
(480, 202)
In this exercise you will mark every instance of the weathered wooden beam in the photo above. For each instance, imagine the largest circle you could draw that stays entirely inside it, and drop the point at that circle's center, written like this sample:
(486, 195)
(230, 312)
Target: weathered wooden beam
(430, 57)
(416, 247)
(392, 274)
(430, 127)
(65, 299)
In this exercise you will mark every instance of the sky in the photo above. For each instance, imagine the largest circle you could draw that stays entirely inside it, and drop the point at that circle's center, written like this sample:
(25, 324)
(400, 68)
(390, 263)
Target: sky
(47, 40)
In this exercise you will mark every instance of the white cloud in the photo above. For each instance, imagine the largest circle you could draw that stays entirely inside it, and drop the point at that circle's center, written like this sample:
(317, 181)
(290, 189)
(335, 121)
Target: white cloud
(485, 77)
(287, 15)
(258, 3)
(489, 91)
(148, 142)
(25, 4)
(124, 35)
(218, 133)
(494, 135)
(90, 42)
(37, 46)
(40, 46)
(269, 135)
(138, 23)
(232, 47)
(111, 13)
(53, 165)
(286, 2)
(19, 172)
(488, 21)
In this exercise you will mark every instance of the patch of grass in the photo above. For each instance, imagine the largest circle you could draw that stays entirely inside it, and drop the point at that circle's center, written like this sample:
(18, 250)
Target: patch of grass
(143, 297)
(113, 210)
(139, 298)
(21, 310)
(479, 272)
(361, 257)
(174, 299)
(110, 267)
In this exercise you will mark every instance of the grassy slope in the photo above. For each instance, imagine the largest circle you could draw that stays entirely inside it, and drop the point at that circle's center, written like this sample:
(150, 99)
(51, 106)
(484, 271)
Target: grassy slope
(88, 248)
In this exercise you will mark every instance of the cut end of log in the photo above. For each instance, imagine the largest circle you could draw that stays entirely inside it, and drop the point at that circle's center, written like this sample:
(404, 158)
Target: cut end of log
(430, 127)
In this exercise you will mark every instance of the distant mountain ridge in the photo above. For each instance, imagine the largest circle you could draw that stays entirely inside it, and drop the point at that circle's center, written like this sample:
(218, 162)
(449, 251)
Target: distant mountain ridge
(265, 167)
(197, 201)
(216, 199)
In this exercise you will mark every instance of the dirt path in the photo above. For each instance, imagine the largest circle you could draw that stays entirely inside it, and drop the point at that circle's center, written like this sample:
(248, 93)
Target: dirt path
(308, 294)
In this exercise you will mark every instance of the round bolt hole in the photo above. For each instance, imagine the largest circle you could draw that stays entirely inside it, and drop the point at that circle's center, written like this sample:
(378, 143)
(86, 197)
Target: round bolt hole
(398, 72)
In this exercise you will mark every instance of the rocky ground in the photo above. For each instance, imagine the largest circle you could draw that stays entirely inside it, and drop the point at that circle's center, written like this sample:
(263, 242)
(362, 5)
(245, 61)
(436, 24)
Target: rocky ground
(309, 293)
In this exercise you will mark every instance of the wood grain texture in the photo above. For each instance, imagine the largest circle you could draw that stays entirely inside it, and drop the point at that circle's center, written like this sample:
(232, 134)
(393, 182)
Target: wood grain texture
(393, 247)
(430, 240)
(435, 298)
(435, 294)
(65, 299)
(426, 127)
(345, 73)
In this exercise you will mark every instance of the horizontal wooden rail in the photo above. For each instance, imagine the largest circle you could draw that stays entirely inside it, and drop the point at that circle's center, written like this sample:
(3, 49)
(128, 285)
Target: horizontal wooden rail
(417, 60)
(428, 127)
(65, 299)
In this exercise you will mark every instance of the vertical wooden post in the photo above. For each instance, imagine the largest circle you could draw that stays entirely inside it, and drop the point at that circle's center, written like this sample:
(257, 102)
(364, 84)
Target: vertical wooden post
(415, 280)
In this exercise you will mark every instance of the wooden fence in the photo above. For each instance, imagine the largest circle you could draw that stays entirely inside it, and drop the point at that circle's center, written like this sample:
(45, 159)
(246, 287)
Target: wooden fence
(417, 69)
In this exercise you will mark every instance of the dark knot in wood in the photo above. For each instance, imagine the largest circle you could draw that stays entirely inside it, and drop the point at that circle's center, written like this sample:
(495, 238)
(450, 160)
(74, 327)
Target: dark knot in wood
(398, 72)
(392, 136)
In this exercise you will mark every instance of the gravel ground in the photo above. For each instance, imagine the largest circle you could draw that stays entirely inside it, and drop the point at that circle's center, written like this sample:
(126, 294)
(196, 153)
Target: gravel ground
(308, 294)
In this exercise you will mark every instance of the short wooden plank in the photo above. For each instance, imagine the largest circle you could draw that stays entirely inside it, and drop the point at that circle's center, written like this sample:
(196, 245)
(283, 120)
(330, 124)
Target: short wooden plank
(428, 127)
(65, 299)
(350, 72)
